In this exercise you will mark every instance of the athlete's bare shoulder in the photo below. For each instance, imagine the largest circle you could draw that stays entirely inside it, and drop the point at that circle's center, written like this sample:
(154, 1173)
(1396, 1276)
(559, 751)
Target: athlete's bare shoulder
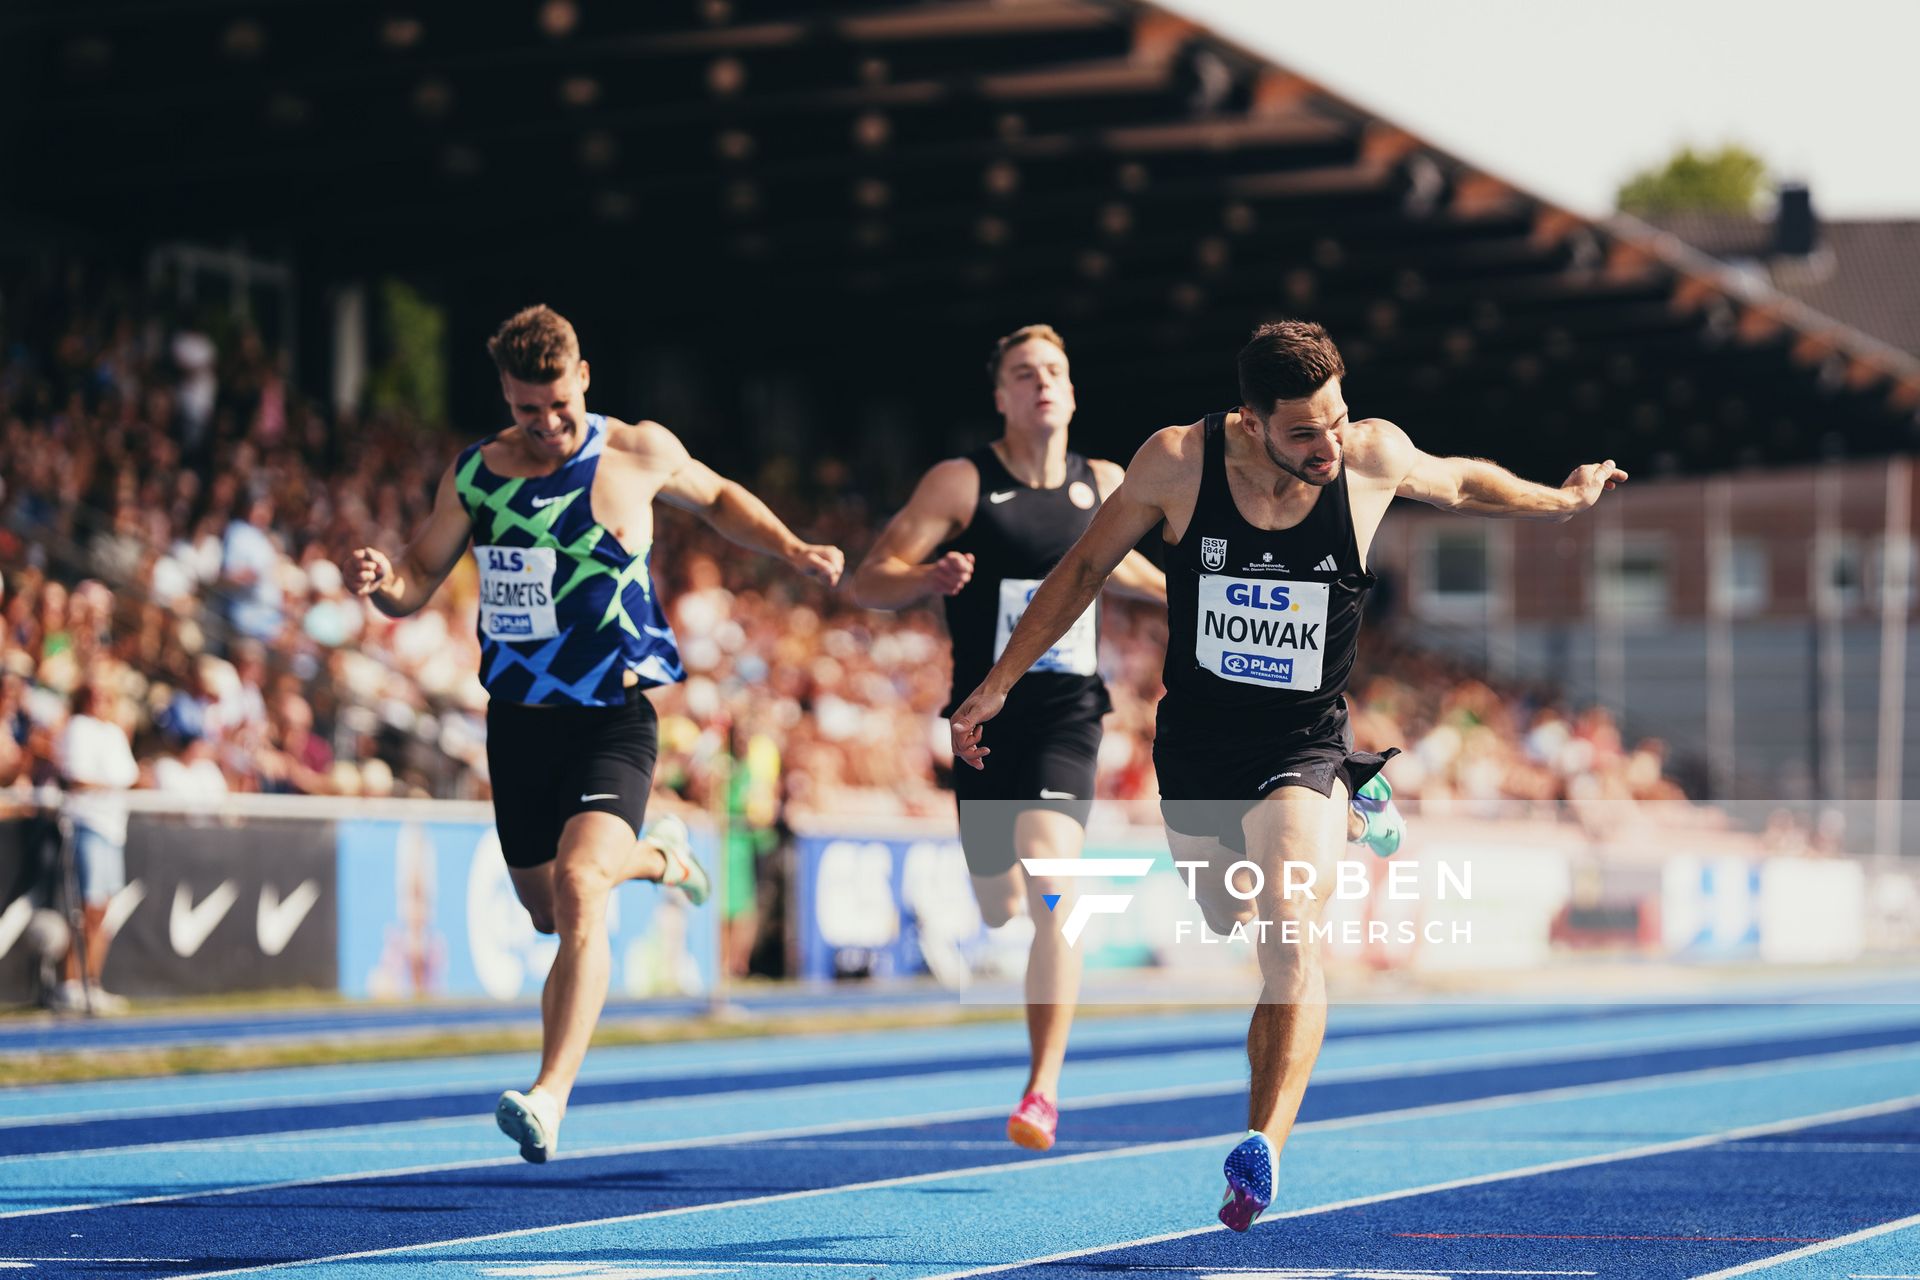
(1170, 454)
(1377, 452)
(647, 443)
(949, 489)
(1107, 474)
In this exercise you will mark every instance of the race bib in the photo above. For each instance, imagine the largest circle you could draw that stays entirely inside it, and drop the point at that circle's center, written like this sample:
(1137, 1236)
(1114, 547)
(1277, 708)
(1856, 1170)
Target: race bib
(1075, 653)
(516, 593)
(1262, 632)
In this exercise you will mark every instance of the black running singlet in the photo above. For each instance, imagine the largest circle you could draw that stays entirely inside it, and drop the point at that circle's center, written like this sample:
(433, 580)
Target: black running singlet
(1016, 536)
(1262, 624)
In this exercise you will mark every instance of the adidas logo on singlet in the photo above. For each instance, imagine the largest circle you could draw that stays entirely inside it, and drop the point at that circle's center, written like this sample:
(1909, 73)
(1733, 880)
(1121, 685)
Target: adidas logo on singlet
(1327, 566)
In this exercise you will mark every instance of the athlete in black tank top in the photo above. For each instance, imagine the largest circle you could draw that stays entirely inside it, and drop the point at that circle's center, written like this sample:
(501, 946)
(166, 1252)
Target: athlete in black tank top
(1262, 624)
(1018, 533)
(1269, 513)
(981, 531)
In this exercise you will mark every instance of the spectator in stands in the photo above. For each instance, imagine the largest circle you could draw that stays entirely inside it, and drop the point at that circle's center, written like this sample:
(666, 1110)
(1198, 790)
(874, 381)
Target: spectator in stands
(250, 571)
(96, 762)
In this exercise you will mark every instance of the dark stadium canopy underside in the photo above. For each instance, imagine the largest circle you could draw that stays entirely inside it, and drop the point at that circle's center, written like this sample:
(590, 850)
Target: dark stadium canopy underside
(912, 179)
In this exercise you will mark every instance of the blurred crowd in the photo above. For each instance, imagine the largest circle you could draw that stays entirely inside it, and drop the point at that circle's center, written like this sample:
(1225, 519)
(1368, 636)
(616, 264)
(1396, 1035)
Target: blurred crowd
(171, 516)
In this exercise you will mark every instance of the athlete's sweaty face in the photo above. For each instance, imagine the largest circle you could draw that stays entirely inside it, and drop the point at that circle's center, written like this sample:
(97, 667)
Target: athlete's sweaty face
(1034, 391)
(1302, 437)
(551, 415)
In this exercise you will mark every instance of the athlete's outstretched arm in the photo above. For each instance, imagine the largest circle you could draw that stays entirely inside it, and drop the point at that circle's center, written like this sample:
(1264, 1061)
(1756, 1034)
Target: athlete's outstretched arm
(892, 576)
(1135, 577)
(1475, 486)
(734, 512)
(398, 590)
(1133, 510)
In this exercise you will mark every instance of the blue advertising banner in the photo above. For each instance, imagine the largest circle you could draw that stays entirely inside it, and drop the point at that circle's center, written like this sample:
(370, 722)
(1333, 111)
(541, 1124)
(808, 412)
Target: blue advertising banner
(427, 908)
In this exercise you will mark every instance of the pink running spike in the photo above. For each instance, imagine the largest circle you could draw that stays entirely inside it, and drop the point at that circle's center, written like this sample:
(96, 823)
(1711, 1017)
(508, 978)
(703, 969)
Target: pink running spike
(1033, 1122)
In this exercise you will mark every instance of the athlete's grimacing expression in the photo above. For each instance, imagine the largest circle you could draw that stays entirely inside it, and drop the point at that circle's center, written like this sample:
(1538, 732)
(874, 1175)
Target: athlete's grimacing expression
(1302, 437)
(1034, 391)
(551, 415)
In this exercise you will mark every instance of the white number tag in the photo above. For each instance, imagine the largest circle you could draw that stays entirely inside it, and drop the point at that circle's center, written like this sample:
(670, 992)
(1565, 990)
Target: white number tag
(1075, 653)
(516, 593)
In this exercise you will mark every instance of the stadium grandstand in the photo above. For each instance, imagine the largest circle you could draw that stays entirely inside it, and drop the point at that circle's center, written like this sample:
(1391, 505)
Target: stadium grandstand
(799, 222)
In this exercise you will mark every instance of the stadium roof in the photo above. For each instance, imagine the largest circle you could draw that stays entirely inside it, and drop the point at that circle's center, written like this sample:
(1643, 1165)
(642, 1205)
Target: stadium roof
(925, 174)
(1863, 272)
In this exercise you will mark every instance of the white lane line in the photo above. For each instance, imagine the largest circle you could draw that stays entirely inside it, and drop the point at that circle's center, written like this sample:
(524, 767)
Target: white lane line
(635, 1148)
(1825, 1246)
(1171, 1093)
(1117, 1035)
(1531, 1171)
(1426, 1065)
(1345, 1122)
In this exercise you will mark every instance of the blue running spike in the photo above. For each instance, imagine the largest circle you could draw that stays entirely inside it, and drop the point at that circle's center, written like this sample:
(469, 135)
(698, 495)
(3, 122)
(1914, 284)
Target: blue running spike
(1053, 900)
(1249, 1171)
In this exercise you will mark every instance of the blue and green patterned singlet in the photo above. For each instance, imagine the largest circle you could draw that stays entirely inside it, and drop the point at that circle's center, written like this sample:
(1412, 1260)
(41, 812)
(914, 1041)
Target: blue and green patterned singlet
(565, 610)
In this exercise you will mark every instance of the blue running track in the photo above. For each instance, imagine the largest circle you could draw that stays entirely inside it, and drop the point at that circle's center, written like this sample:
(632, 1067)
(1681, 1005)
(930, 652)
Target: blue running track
(1629, 1142)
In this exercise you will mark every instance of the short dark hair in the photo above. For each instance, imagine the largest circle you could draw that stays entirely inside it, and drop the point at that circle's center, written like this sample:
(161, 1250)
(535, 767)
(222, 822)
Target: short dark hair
(534, 345)
(1287, 360)
(1025, 333)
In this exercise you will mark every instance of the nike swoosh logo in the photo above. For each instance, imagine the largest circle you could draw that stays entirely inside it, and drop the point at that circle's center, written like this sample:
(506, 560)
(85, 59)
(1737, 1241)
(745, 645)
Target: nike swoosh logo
(1003, 496)
(1057, 795)
(189, 925)
(604, 795)
(276, 921)
(547, 502)
(121, 905)
(13, 922)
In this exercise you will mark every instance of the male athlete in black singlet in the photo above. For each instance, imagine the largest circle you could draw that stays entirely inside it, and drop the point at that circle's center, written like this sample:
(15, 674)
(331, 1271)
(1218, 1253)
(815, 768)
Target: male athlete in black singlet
(1000, 518)
(1267, 513)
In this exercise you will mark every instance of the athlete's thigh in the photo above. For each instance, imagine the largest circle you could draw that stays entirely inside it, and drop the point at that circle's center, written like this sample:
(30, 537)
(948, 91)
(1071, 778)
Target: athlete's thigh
(601, 843)
(1297, 825)
(534, 887)
(1220, 908)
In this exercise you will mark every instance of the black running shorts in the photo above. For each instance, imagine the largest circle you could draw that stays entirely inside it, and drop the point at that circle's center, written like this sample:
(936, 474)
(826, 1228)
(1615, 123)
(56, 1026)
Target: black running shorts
(1047, 766)
(1207, 787)
(549, 763)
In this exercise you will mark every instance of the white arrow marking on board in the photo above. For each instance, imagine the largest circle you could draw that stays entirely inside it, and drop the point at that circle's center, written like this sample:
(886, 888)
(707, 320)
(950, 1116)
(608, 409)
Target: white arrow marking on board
(188, 926)
(277, 921)
(13, 922)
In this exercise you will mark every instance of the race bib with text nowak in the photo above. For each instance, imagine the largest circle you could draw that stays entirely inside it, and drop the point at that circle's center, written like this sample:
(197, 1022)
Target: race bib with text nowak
(1075, 653)
(516, 593)
(1262, 632)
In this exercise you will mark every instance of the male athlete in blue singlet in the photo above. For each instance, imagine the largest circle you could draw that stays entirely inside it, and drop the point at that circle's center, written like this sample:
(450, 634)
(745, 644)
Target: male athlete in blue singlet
(558, 509)
(1267, 513)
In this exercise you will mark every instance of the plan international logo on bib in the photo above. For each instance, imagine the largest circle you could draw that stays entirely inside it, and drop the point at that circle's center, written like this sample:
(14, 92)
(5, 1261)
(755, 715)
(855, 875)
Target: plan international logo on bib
(1257, 666)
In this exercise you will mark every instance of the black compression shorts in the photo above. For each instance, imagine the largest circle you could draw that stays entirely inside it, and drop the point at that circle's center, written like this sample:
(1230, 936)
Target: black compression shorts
(550, 762)
(1207, 788)
(1046, 766)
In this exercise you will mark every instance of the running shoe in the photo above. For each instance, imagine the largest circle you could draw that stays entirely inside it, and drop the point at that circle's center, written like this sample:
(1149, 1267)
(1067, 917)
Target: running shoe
(1249, 1171)
(670, 836)
(1385, 827)
(1033, 1122)
(531, 1119)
